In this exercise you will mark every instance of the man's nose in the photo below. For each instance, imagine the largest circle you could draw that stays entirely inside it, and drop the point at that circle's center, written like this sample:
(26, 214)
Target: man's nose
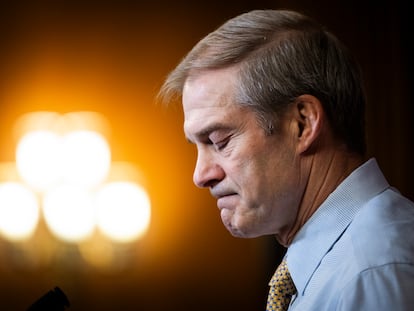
(207, 171)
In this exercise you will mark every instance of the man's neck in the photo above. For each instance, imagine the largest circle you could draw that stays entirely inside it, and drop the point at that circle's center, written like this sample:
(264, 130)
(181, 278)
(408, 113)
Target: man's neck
(326, 171)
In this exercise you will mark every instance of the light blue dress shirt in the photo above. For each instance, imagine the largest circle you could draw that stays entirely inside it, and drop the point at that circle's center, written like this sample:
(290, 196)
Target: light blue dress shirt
(357, 251)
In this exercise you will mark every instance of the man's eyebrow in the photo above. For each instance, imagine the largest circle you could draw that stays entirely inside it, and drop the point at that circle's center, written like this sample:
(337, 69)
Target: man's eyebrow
(204, 132)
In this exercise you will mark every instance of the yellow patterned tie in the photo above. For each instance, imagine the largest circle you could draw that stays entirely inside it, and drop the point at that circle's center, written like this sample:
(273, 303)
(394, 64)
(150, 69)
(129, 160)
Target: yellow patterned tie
(281, 289)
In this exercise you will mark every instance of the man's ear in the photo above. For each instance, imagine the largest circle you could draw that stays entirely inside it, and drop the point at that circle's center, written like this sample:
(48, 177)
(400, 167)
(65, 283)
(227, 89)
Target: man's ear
(309, 115)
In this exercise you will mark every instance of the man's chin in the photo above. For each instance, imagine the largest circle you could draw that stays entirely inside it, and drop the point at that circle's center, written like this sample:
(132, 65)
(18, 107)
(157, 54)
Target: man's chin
(235, 228)
(243, 233)
(238, 232)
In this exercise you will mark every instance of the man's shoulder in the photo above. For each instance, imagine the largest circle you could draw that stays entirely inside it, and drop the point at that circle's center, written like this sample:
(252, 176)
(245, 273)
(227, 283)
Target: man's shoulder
(382, 230)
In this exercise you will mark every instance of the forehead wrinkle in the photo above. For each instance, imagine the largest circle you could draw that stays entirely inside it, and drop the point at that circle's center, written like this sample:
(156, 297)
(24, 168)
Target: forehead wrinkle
(207, 97)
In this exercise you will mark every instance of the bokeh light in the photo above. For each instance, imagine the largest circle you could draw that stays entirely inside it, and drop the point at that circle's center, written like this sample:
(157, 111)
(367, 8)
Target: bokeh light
(19, 211)
(85, 158)
(69, 212)
(38, 158)
(123, 211)
(63, 171)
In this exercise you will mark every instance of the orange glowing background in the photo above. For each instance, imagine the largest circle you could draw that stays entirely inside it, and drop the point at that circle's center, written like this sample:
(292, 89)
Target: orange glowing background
(111, 58)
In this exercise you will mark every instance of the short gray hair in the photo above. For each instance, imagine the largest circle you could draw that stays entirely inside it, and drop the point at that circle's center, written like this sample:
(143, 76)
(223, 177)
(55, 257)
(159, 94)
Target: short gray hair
(281, 55)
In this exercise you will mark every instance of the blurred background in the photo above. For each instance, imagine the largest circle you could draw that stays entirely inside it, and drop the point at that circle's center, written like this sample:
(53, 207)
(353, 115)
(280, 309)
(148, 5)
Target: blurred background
(80, 77)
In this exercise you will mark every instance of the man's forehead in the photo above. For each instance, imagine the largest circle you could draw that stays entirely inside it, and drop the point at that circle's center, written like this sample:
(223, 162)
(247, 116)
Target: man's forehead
(205, 97)
(202, 120)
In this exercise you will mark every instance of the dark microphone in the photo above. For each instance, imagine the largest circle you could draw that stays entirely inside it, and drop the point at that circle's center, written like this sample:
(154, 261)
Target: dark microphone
(53, 300)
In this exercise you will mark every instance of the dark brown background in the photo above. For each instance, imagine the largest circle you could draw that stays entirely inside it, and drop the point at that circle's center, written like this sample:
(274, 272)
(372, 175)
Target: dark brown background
(111, 57)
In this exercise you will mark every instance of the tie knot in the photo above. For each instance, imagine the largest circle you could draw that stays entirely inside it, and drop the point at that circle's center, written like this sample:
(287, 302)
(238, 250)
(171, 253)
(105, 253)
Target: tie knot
(281, 288)
(282, 277)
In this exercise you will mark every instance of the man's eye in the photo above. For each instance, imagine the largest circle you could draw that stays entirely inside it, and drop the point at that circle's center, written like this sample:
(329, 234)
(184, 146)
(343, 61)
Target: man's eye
(221, 144)
(219, 139)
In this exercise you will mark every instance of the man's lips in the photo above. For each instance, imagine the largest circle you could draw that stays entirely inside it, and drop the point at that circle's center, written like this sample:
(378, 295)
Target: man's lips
(220, 192)
(226, 201)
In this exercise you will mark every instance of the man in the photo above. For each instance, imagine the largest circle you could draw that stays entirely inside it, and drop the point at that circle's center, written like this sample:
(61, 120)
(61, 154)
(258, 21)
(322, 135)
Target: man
(275, 106)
